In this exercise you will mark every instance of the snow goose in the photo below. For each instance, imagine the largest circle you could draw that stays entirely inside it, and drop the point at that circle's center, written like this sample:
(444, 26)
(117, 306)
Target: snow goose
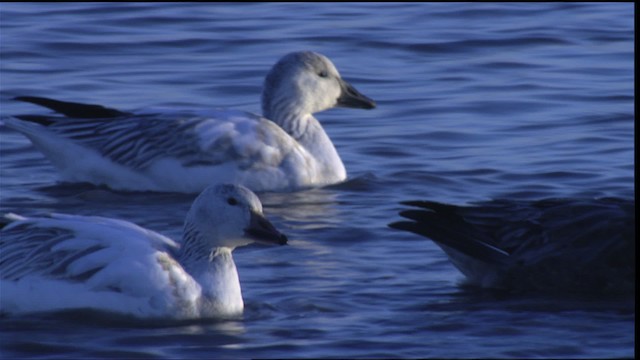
(286, 149)
(64, 262)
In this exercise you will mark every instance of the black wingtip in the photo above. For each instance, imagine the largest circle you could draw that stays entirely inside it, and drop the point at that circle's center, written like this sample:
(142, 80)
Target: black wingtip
(403, 225)
(445, 226)
(38, 119)
(73, 110)
(417, 215)
(412, 227)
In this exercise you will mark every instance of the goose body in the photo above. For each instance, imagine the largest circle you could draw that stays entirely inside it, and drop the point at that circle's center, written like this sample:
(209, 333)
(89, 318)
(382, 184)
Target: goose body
(62, 262)
(182, 150)
(555, 245)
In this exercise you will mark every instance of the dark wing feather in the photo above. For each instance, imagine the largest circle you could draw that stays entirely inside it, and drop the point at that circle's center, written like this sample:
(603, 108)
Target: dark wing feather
(451, 230)
(132, 140)
(71, 109)
(556, 244)
(28, 249)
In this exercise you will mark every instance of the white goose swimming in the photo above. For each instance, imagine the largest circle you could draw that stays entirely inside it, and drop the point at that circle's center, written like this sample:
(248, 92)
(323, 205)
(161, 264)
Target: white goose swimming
(85, 262)
(185, 151)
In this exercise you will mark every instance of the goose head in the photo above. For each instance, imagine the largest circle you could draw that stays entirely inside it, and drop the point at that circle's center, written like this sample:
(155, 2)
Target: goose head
(228, 216)
(307, 82)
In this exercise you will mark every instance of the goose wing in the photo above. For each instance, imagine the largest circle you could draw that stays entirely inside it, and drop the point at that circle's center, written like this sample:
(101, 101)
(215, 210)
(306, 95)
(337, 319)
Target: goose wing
(103, 254)
(136, 140)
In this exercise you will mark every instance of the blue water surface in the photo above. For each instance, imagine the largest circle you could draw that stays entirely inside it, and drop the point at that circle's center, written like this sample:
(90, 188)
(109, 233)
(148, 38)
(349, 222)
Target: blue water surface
(476, 101)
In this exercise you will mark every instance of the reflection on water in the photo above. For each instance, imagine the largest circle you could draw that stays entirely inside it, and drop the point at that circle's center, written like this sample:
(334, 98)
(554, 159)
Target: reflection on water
(305, 210)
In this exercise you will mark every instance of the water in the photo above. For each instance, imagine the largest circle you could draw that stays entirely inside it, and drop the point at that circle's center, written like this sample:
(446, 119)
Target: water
(476, 102)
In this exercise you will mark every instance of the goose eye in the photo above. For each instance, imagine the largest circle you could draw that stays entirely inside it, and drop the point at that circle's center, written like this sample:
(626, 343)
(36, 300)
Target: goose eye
(323, 74)
(232, 201)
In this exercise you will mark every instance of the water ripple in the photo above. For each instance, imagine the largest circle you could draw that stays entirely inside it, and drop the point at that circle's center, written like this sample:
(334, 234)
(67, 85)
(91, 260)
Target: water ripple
(475, 102)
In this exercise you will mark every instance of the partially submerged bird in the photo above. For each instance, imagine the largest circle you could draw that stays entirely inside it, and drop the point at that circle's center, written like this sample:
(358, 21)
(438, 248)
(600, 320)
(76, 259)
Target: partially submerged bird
(63, 262)
(555, 245)
(285, 149)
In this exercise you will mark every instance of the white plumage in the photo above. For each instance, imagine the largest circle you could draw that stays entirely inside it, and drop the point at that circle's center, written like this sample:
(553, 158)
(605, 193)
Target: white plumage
(75, 262)
(185, 151)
